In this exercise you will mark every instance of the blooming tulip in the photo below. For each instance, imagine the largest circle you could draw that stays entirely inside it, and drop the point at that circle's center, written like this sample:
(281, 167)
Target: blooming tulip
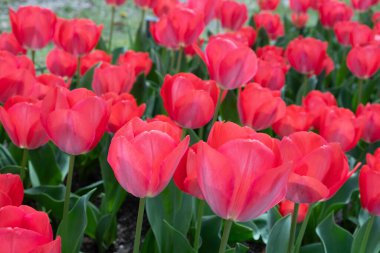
(287, 207)
(334, 11)
(364, 61)
(207, 7)
(271, 23)
(300, 6)
(38, 31)
(123, 109)
(363, 5)
(361, 35)
(369, 115)
(232, 14)
(229, 63)
(296, 119)
(368, 180)
(299, 20)
(110, 78)
(260, 107)
(77, 36)
(173, 127)
(268, 5)
(93, 58)
(139, 61)
(115, 2)
(145, 3)
(247, 169)
(23, 229)
(320, 168)
(145, 155)
(343, 31)
(61, 63)
(74, 120)
(270, 74)
(8, 42)
(11, 190)
(164, 7)
(181, 27)
(189, 100)
(315, 103)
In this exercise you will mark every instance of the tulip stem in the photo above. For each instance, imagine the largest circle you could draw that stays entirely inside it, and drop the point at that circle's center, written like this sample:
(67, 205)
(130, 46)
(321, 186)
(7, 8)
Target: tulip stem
(363, 247)
(217, 108)
(78, 71)
(302, 230)
(179, 60)
(139, 223)
(33, 52)
(24, 164)
(226, 234)
(113, 10)
(293, 228)
(198, 225)
(69, 181)
(360, 91)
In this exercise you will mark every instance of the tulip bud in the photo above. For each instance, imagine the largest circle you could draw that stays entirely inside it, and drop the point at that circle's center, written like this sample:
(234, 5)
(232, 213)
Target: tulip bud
(232, 14)
(61, 63)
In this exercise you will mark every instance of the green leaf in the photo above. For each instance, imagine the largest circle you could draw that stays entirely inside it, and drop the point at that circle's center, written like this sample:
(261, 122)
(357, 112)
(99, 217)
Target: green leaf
(279, 236)
(149, 244)
(179, 241)
(334, 238)
(241, 248)
(92, 219)
(241, 232)
(106, 230)
(228, 108)
(373, 245)
(86, 79)
(210, 234)
(6, 158)
(312, 248)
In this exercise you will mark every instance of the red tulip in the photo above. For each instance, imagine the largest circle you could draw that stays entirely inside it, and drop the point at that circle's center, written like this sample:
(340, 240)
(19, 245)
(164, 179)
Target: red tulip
(207, 7)
(300, 6)
(93, 58)
(23, 229)
(376, 17)
(370, 116)
(270, 75)
(363, 5)
(111, 78)
(8, 42)
(274, 55)
(123, 109)
(369, 178)
(139, 61)
(11, 190)
(340, 125)
(145, 3)
(307, 55)
(61, 63)
(173, 127)
(286, 207)
(364, 61)
(190, 51)
(327, 66)
(145, 155)
(268, 5)
(376, 34)
(320, 168)
(189, 100)
(74, 120)
(343, 31)
(315, 103)
(332, 12)
(38, 31)
(229, 63)
(232, 14)
(181, 27)
(271, 23)
(77, 36)
(361, 35)
(48, 81)
(115, 2)
(164, 7)
(247, 169)
(299, 20)
(296, 119)
(260, 107)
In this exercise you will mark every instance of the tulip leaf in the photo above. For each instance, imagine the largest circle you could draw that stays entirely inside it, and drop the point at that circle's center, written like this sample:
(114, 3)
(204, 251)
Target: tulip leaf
(211, 226)
(86, 79)
(228, 108)
(334, 238)
(6, 158)
(279, 236)
(105, 233)
(373, 245)
(313, 248)
(242, 232)
(149, 245)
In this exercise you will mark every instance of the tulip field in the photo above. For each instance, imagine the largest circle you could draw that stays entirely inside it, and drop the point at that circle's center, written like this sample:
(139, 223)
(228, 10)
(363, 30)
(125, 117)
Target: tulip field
(190, 126)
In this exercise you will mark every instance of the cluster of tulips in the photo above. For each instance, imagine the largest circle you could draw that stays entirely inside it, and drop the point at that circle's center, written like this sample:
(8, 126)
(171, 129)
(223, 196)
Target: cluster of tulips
(265, 119)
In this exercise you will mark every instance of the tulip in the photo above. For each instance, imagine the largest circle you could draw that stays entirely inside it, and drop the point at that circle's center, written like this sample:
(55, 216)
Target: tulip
(189, 101)
(229, 63)
(11, 190)
(340, 125)
(369, 115)
(274, 55)
(260, 107)
(123, 109)
(320, 168)
(27, 228)
(145, 3)
(93, 58)
(343, 31)
(173, 127)
(363, 5)
(77, 36)
(38, 31)
(334, 11)
(307, 55)
(48, 81)
(299, 20)
(181, 27)
(232, 14)
(300, 6)
(327, 66)
(315, 103)
(287, 207)
(164, 7)
(8, 42)
(115, 2)
(364, 61)
(268, 5)
(207, 7)
(361, 35)
(271, 23)
(61, 63)
(296, 119)
(376, 17)
(111, 78)
(270, 75)
(369, 178)
(139, 61)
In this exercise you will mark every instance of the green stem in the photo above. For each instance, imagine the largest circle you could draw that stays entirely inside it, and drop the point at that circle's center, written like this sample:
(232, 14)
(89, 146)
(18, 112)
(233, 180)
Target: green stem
(363, 247)
(360, 91)
(24, 164)
(302, 230)
(198, 225)
(34, 56)
(179, 60)
(293, 228)
(201, 132)
(69, 181)
(226, 234)
(217, 108)
(78, 71)
(140, 218)
(183, 133)
(113, 10)
(193, 133)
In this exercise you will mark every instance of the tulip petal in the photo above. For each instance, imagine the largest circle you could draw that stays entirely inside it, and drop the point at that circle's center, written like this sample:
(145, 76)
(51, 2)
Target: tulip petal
(304, 189)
